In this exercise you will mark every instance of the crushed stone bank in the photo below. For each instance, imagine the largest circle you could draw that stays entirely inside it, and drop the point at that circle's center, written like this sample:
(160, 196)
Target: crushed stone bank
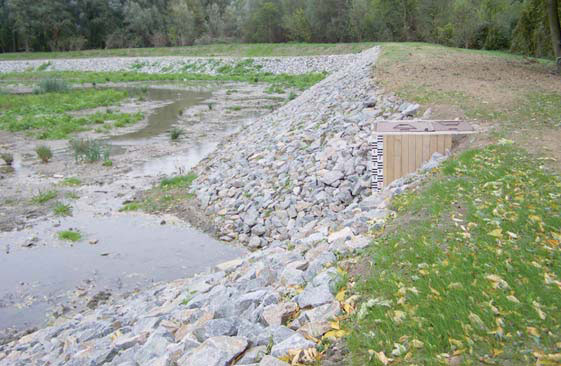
(293, 186)
(176, 64)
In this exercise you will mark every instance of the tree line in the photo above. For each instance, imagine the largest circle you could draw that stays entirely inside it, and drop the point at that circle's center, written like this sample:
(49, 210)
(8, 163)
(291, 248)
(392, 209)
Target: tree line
(523, 26)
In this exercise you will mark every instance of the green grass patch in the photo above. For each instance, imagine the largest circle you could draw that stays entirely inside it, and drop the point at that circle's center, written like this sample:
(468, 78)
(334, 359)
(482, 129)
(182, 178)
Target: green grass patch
(43, 197)
(169, 194)
(131, 206)
(230, 49)
(51, 85)
(69, 235)
(398, 51)
(47, 115)
(90, 151)
(62, 209)
(471, 269)
(180, 181)
(242, 74)
(71, 182)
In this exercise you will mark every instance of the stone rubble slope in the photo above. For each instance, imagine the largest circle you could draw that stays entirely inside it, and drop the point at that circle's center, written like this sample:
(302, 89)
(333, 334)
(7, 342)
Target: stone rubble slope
(302, 168)
(258, 309)
(169, 64)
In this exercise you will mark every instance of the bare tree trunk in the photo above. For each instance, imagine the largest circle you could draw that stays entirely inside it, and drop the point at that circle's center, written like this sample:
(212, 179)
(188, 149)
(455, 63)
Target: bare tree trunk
(555, 27)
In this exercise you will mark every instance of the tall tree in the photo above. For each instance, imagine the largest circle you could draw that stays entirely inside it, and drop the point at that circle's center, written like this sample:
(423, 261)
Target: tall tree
(555, 27)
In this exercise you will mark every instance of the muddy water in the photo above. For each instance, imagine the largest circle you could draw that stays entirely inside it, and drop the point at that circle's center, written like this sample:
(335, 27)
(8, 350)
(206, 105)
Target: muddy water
(162, 119)
(131, 250)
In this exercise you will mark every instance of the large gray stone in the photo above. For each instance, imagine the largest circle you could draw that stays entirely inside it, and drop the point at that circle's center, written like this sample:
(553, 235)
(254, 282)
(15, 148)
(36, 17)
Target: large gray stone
(295, 342)
(216, 351)
(292, 277)
(314, 296)
(331, 177)
(278, 314)
(216, 327)
(253, 355)
(272, 361)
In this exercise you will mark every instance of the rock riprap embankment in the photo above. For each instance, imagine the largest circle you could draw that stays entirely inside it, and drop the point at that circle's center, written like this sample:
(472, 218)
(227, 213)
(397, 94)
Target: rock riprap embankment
(293, 185)
(303, 169)
(176, 64)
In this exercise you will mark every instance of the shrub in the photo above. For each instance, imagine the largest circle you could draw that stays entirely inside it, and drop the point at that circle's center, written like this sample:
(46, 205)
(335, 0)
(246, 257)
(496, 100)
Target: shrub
(90, 150)
(176, 133)
(62, 209)
(131, 206)
(43, 197)
(107, 163)
(178, 181)
(70, 235)
(51, 85)
(44, 153)
(71, 181)
(8, 158)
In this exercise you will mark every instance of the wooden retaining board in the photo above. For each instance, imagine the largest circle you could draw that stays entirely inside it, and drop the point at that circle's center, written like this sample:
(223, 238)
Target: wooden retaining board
(404, 154)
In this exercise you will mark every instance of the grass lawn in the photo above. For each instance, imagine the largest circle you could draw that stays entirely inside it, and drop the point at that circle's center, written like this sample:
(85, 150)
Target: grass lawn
(47, 115)
(232, 50)
(469, 271)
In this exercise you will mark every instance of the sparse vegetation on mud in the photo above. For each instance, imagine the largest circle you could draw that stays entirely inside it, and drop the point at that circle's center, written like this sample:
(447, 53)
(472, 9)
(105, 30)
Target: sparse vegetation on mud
(62, 209)
(70, 235)
(43, 197)
(176, 133)
(90, 151)
(71, 182)
(8, 158)
(51, 85)
(44, 153)
(301, 82)
(47, 116)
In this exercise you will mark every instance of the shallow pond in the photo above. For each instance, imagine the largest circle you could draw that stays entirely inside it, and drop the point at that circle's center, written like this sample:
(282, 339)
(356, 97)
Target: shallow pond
(131, 250)
(163, 118)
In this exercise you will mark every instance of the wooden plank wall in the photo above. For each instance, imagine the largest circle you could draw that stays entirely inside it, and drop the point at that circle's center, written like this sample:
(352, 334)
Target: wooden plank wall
(404, 154)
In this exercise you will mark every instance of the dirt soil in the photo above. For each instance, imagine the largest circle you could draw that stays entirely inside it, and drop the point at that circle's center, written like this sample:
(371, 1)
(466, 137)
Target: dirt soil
(486, 87)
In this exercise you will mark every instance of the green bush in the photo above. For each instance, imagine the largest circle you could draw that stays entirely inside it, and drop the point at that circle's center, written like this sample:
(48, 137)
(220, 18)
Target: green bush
(44, 153)
(62, 209)
(8, 158)
(43, 197)
(89, 150)
(178, 181)
(51, 85)
(70, 235)
(176, 133)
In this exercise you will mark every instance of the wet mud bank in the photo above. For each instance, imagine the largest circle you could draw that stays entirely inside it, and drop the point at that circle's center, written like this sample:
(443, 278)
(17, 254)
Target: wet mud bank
(48, 278)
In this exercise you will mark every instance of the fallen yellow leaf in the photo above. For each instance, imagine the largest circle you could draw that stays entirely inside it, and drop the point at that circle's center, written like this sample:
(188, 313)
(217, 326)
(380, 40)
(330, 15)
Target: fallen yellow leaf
(497, 233)
(538, 309)
(398, 316)
(335, 325)
(497, 352)
(335, 334)
(340, 295)
(381, 356)
(513, 299)
(417, 343)
(533, 331)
